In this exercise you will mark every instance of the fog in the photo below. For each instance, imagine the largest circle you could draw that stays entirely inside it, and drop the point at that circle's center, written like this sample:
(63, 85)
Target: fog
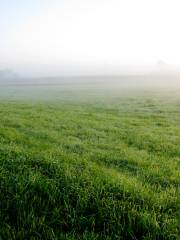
(124, 43)
(126, 81)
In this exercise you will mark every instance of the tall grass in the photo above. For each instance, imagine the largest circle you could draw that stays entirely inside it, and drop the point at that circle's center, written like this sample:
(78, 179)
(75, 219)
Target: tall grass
(94, 170)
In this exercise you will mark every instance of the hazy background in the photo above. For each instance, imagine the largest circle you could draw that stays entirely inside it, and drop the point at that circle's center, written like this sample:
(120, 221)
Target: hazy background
(89, 37)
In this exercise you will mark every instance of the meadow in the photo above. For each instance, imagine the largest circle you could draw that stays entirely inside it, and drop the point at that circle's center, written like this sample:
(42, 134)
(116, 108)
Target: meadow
(89, 163)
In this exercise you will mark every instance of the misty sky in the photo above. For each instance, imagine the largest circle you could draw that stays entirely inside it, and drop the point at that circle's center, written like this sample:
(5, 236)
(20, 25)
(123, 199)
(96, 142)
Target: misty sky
(76, 34)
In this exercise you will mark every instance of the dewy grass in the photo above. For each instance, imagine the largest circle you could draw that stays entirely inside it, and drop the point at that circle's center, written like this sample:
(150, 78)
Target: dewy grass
(90, 169)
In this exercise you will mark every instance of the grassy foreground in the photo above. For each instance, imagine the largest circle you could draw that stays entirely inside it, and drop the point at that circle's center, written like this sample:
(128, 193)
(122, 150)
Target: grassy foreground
(90, 170)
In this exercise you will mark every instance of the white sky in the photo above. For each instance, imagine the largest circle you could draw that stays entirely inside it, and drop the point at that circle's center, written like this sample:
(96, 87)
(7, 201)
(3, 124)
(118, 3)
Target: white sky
(79, 33)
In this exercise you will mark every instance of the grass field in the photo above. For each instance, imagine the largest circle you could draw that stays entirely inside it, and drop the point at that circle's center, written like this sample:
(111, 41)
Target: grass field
(93, 164)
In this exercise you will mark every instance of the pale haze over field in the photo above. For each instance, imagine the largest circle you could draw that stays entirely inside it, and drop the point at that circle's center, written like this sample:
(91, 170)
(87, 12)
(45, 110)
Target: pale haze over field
(46, 37)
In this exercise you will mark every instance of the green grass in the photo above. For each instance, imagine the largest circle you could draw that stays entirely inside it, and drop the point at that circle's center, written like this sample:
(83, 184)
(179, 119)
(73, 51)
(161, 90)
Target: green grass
(88, 165)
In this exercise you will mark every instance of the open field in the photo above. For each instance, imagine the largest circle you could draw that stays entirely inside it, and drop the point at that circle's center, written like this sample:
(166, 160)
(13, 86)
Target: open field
(89, 164)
